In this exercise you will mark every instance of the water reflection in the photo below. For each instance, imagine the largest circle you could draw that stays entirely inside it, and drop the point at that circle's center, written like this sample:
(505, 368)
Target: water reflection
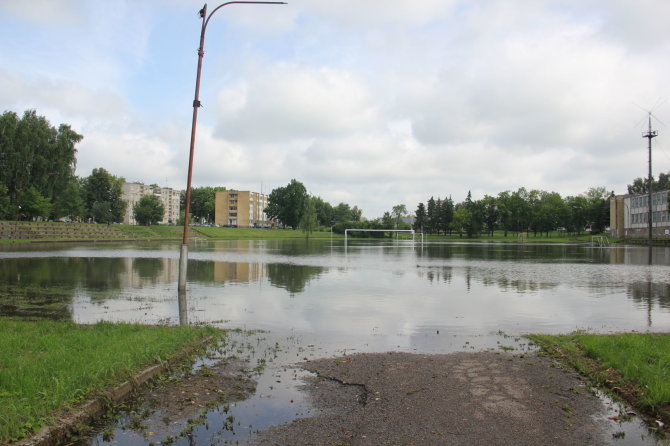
(400, 286)
(292, 278)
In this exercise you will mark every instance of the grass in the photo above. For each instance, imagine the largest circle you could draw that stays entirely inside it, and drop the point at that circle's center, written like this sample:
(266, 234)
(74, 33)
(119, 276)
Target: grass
(47, 366)
(634, 365)
(261, 234)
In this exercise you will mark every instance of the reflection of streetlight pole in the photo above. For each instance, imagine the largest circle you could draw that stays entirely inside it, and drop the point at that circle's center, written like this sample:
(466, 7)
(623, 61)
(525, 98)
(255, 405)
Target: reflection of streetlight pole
(183, 255)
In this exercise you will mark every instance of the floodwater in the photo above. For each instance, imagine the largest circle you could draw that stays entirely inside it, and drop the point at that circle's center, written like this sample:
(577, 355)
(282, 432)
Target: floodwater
(319, 298)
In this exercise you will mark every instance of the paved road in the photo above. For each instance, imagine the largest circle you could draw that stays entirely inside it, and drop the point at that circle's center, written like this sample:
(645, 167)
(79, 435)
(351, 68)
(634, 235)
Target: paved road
(483, 398)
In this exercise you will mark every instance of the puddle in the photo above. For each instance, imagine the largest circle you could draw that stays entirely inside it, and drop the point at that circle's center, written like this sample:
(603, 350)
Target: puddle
(278, 398)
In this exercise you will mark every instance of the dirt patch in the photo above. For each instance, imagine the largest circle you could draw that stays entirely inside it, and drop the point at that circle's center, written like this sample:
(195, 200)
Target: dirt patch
(456, 399)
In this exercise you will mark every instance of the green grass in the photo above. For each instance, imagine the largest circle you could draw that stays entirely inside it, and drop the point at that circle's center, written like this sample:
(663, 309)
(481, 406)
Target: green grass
(635, 365)
(261, 234)
(48, 366)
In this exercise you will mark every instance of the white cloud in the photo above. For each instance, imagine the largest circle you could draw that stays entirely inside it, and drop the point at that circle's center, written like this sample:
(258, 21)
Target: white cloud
(136, 157)
(287, 102)
(63, 12)
(65, 98)
(368, 104)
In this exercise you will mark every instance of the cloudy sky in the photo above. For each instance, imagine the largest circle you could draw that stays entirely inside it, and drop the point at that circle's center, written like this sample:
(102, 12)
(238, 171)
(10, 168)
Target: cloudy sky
(367, 102)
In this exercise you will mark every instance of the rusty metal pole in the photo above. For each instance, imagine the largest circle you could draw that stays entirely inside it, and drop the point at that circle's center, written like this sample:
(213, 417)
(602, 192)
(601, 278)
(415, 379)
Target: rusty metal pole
(183, 253)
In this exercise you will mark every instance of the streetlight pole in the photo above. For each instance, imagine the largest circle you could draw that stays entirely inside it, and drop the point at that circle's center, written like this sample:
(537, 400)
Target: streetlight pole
(183, 254)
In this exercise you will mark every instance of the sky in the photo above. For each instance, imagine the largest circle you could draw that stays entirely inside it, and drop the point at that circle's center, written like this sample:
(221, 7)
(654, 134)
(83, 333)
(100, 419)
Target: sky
(370, 103)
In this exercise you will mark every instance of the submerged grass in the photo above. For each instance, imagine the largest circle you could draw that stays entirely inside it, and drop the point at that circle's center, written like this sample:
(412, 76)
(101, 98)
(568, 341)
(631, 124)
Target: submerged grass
(634, 365)
(49, 366)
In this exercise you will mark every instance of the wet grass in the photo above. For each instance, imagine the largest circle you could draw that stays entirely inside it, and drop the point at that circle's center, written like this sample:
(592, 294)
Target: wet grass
(47, 367)
(636, 366)
(262, 234)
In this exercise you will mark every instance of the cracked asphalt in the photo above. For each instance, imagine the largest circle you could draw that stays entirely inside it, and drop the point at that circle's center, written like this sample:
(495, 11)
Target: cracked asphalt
(453, 399)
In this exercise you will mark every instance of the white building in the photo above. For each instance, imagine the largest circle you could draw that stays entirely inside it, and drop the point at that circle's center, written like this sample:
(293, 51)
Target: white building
(629, 215)
(132, 192)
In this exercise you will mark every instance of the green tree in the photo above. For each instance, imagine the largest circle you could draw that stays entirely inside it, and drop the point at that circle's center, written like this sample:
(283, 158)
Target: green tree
(420, 217)
(398, 212)
(578, 213)
(324, 212)
(432, 216)
(33, 153)
(287, 203)
(520, 210)
(490, 213)
(308, 220)
(202, 202)
(550, 212)
(34, 204)
(148, 210)
(445, 215)
(598, 205)
(102, 196)
(69, 203)
(462, 219)
(356, 213)
(5, 211)
(641, 185)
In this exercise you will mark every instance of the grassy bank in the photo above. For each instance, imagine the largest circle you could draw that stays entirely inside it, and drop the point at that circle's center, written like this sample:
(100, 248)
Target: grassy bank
(261, 234)
(636, 366)
(47, 367)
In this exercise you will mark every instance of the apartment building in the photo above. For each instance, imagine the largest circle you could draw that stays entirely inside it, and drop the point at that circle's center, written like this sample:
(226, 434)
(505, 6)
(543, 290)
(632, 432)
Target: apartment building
(629, 215)
(132, 192)
(243, 209)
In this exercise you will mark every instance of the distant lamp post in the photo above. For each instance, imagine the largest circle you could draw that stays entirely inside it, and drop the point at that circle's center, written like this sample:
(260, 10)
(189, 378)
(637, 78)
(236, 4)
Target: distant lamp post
(183, 255)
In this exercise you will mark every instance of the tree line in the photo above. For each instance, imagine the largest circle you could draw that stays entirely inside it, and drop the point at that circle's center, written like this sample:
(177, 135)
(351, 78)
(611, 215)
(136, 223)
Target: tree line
(37, 179)
(293, 207)
(523, 210)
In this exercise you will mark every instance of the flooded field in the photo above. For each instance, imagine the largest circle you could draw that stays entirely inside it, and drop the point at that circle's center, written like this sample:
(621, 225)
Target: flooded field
(319, 298)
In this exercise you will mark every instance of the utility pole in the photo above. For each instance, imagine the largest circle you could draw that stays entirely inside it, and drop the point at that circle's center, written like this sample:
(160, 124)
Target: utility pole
(649, 135)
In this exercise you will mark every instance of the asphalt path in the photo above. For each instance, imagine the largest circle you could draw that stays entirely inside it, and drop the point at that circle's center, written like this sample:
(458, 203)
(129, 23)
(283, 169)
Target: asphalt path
(485, 398)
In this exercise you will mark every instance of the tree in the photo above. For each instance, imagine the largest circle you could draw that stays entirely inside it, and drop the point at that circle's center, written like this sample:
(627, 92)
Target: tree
(34, 204)
(519, 209)
(598, 209)
(431, 216)
(641, 185)
(33, 153)
(445, 215)
(356, 213)
(550, 212)
(102, 196)
(578, 210)
(462, 219)
(148, 210)
(308, 221)
(324, 212)
(420, 217)
(398, 212)
(490, 213)
(504, 203)
(287, 203)
(5, 210)
(202, 202)
(69, 203)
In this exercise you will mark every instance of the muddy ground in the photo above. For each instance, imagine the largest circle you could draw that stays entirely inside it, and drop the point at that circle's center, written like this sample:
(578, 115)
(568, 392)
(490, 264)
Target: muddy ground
(456, 399)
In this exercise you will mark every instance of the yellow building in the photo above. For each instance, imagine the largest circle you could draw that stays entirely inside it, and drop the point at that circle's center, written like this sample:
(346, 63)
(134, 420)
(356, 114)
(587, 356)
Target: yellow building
(242, 209)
